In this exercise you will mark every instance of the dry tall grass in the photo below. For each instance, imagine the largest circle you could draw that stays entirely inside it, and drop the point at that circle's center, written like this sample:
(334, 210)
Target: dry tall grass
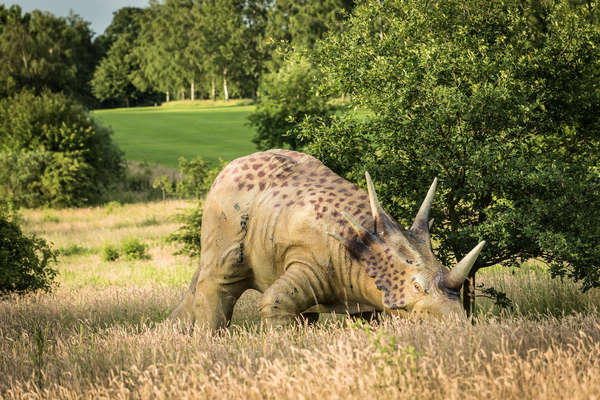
(94, 339)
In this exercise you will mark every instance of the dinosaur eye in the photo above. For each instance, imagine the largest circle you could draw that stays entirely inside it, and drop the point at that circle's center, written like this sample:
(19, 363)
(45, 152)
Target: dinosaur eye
(417, 287)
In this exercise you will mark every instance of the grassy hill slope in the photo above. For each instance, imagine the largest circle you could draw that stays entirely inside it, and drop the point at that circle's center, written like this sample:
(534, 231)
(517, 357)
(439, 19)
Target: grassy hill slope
(162, 134)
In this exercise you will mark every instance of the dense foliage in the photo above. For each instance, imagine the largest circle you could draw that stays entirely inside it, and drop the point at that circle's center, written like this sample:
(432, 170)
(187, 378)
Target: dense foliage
(287, 97)
(115, 76)
(25, 260)
(39, 51)
(500, 100)
(52, 153)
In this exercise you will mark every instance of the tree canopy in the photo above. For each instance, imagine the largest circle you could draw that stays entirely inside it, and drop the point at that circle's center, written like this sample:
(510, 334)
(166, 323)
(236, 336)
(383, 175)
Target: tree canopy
(499, 100)
(41, 51)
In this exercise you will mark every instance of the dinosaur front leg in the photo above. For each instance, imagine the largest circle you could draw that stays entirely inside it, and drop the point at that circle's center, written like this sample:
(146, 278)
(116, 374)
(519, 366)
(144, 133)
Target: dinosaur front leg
(298, 289)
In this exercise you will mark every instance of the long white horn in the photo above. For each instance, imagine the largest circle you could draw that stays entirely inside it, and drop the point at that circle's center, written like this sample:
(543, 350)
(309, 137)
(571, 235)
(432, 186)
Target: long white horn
(383, 221)
(457, 275)
(375, 207)
(421, 222)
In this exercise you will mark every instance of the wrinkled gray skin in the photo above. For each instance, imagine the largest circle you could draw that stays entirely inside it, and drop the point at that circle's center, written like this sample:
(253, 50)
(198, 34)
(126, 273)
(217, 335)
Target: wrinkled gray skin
(284, 224)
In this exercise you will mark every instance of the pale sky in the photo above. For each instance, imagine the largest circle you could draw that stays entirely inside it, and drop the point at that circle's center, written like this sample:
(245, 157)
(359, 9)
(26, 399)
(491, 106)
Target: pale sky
(98, 12)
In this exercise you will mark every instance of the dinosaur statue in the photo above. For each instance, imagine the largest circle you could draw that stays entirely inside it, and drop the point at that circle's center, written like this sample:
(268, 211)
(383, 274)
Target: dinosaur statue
(284, 224)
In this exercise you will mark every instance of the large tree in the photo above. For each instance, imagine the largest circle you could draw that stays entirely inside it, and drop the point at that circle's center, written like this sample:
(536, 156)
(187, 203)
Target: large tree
(41, 51)
(113, 81)
(499, 100)
(160, 49)
(304, 23)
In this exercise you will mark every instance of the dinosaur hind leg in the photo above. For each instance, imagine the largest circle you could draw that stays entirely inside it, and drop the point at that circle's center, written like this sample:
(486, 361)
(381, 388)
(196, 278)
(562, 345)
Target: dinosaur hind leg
(298, 289)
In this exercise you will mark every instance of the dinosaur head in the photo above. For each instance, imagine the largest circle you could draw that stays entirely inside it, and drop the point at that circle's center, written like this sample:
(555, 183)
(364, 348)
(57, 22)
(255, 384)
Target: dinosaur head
(402, 262)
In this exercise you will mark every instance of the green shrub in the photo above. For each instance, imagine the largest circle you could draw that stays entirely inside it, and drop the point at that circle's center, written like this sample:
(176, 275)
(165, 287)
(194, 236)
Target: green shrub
(165, 184)
(111, 206)
(74, 250)
(133, 249)
(110, 253)
(287, 97)
(53, 154)
(188, 235)
(25, 260)
(193, 173)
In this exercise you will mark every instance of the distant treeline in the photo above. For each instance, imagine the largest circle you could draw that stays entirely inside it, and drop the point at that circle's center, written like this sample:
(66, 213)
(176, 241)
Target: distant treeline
(173, 49)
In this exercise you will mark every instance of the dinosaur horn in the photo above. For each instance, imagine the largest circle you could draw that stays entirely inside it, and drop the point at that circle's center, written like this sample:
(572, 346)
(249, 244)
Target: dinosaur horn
(361, 231)
(457, 275)
(336, 237)
(420, 225)
(382, 220)
(375, 206)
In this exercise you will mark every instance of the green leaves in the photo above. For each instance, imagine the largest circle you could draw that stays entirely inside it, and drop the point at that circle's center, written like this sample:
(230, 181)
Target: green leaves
(52, 153)
(288, 96)
(502, 110)
(25, 261)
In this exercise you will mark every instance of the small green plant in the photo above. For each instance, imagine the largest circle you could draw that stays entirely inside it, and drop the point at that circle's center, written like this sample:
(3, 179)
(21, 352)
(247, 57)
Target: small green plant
(110, 253)
(193, 175)
(149, 222)
(111, 206)
(133, 249)
(165, 184)
(74, 250)
(388, 351)
(188, 235)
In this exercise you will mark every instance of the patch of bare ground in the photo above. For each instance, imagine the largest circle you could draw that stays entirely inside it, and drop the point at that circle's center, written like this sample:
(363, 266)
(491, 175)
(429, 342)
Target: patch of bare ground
(108, 338)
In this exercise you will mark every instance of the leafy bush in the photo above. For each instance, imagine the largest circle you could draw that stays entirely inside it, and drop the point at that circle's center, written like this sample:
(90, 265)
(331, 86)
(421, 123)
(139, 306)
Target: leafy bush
(25, 260)
(110, 253)
(133, 249)
(500, 100)
(52, 153)
(287, 97)
(193, 173)
(189, 234)
(74, 250)
(165, 184)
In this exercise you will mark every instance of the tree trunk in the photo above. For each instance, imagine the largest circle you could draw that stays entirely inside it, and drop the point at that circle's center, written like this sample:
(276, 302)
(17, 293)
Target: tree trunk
(182, 94)
(468, 292)
(168, 96)
(213, 89)
(192, 92)
(225, 91)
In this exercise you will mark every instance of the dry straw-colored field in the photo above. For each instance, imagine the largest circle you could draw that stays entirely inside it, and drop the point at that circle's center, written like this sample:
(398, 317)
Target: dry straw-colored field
(102, 334)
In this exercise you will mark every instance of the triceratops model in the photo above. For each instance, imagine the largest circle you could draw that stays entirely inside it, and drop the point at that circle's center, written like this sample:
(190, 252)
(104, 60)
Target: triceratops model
(284, 224)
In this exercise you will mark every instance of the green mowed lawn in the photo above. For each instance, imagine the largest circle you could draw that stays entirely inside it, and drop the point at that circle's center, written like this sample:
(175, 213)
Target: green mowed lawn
(163, 134)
